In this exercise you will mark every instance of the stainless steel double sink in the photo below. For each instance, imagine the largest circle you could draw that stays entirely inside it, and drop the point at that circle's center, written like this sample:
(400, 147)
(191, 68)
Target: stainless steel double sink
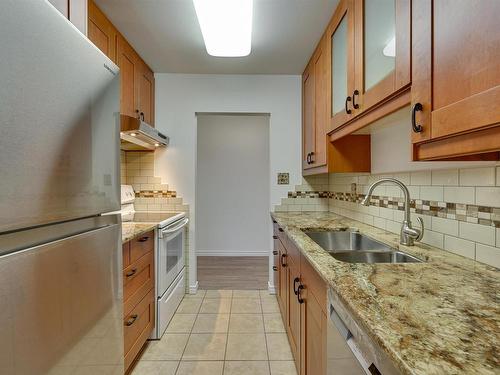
(354, 247)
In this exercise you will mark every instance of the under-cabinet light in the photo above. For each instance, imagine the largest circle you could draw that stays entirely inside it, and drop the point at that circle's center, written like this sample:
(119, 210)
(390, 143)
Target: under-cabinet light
(390, 48)
(226, 26)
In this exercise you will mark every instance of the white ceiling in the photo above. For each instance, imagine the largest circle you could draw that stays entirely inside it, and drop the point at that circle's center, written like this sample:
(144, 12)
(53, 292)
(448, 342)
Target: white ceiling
(167, 35)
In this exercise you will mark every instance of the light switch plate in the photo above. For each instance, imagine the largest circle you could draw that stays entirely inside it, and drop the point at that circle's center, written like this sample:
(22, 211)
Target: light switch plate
(283, 178)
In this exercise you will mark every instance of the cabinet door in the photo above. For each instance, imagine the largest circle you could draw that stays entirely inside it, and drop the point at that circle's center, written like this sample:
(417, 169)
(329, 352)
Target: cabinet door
(341, 53)
(101, 31)
(283, 283)
(313, 336)
(455, 67)
(127, 61)
(319, 157)
(146, 89)
(293, 322)
(382, 56)
(308, 113)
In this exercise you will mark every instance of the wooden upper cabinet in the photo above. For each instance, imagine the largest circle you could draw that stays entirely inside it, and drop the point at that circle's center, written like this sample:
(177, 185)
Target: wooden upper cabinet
(308, 113)
(127, 61)
(315, 109)
(382, 51)
(456, 77)
(146, 91)
(101, 31)
(340, 52)
(73, 10)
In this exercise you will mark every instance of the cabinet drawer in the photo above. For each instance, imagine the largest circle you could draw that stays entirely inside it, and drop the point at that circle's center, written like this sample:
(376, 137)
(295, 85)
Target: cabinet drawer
(141, 245)
(138, 279)
(126, 254)
(137, 327)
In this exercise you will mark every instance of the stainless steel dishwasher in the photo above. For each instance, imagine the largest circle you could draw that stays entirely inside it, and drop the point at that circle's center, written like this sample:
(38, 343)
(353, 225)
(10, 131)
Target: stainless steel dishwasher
(349, 349)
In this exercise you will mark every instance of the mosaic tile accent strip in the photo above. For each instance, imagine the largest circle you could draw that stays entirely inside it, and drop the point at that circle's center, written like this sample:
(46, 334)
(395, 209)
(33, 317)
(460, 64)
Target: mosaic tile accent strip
(155, 194)
(470, 213)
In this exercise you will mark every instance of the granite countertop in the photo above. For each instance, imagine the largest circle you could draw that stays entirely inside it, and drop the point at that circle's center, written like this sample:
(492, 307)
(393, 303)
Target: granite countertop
(131, 230)
(437, 317)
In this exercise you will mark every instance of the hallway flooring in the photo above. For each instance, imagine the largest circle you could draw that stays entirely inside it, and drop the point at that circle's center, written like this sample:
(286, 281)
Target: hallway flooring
(233, 272)
(221, 332)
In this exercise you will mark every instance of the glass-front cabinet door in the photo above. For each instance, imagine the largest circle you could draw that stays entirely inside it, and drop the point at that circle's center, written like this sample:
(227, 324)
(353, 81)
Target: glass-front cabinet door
(382, 50)
(341, 53)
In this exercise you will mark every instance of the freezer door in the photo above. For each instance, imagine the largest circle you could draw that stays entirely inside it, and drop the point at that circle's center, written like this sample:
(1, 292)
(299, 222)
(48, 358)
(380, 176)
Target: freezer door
(59, 120)
(62, 306)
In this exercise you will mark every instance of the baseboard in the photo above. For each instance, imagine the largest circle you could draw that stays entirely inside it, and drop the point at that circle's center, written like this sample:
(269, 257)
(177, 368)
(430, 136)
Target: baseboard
(271, 288)
(221, 253)
(193, 288)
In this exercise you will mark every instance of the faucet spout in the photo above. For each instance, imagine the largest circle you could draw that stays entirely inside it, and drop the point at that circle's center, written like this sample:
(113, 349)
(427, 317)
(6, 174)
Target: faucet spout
(408, 233)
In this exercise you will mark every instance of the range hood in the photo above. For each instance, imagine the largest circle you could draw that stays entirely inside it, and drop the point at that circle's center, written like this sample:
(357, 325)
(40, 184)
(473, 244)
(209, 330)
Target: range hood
(137, 135)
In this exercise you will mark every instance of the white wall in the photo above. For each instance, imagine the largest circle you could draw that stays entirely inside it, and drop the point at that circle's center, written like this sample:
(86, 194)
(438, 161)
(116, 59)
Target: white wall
(232, 185)
(180, 96)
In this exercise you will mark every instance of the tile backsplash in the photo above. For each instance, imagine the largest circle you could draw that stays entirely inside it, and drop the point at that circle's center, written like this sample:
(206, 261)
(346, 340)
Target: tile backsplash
(137, 169)
(460, 207)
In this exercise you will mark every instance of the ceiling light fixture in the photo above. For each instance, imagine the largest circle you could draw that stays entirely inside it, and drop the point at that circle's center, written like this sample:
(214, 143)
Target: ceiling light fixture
(226, 26)
(390, 48)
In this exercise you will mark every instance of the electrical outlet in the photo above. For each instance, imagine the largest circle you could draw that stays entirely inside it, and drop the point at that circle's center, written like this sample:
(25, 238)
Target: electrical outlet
(283, 178)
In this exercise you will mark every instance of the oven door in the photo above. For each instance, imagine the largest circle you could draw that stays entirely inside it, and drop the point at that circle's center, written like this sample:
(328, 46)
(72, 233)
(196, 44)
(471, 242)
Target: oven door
(170, 254)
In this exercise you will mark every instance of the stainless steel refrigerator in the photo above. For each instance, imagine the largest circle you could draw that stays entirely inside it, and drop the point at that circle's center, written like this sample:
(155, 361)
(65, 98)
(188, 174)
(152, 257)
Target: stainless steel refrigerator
(60, 260)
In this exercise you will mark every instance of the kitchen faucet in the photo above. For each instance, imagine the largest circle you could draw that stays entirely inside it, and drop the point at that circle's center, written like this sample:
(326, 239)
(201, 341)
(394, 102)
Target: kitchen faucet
(408, 234)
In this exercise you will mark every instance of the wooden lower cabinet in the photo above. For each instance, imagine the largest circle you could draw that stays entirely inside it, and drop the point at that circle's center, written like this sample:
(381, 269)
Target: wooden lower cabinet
(305, 313)
(138, 325)
(138, 294)
(293, 308)
(282, 290)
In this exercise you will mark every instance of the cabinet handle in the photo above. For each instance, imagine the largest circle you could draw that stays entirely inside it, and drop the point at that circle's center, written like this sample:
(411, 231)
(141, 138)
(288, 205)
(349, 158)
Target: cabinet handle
(142, 116)
(131, 273)
(275, 252)
(416, 107)
(308, 160)
(311, 158)
(295, 281)
(132, 320)
(301, 300)
(283, 256)
(356, 92)
(347, 110)
(143, 239)
(138, 114)
(280, 229)
(275, 237)
(275, 268)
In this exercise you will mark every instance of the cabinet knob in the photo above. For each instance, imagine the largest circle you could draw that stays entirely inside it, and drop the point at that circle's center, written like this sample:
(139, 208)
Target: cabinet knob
(142, 116)
(416, 107)
(131, 273)
(275, 252)
(347, 100)
(354, 104)
(143, 239)
(275, 268)
(132, 320)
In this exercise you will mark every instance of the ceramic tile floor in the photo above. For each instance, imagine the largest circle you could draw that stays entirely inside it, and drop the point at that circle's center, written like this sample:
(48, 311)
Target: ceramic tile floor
(221, 332)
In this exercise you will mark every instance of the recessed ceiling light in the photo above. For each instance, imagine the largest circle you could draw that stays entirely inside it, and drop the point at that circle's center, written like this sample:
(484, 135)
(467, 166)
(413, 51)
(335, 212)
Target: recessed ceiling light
(226, 26)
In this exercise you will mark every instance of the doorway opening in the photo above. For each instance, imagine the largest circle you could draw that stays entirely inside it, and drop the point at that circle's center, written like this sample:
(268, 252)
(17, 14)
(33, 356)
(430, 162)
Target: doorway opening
(232, 200)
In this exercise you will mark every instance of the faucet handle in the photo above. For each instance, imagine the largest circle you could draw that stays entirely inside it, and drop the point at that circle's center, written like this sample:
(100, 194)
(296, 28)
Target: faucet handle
(422, 229)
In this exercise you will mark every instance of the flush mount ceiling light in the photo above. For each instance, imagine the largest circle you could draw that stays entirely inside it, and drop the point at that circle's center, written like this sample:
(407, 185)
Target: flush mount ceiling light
(226, 26)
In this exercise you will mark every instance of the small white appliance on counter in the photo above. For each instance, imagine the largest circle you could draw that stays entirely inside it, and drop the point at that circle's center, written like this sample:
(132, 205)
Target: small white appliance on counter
(169, 256)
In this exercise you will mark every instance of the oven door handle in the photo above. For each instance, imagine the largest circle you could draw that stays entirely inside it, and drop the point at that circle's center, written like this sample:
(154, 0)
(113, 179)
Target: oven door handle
(174, 229)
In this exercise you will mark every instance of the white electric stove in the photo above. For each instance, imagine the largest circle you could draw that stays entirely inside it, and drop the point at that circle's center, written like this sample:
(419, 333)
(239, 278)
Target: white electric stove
(169, 256)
